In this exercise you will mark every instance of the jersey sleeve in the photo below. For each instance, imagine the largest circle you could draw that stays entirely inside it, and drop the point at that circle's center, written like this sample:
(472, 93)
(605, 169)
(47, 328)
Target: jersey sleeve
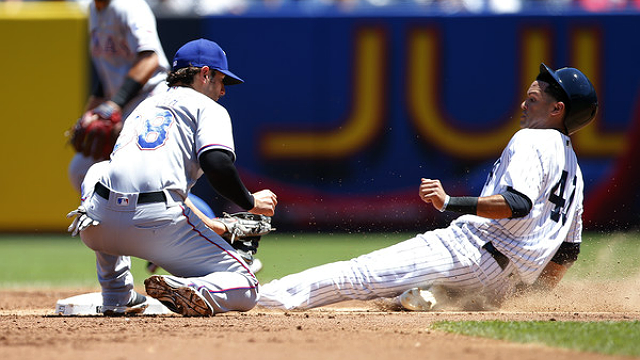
(214, 131)
(141, 23)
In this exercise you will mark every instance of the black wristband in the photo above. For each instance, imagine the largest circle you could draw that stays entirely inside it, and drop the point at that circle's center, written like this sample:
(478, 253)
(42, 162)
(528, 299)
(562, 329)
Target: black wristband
(129, 89)
(463, 204)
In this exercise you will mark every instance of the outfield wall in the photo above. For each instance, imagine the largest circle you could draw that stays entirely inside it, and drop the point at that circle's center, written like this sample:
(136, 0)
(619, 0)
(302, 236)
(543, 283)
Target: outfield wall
(43, 57)
(343, 113)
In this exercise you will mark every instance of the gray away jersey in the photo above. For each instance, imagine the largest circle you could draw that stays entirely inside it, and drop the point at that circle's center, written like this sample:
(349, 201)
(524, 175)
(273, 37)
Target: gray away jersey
(162, 139)
(118, 33)
(541, 164)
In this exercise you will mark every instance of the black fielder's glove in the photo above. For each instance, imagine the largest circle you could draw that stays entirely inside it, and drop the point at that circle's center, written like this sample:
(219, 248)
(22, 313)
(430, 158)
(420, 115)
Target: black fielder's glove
(244, 231)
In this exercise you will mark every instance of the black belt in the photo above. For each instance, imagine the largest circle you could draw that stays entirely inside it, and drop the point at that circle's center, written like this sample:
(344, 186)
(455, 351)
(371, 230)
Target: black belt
(499, 257)
(143, 198)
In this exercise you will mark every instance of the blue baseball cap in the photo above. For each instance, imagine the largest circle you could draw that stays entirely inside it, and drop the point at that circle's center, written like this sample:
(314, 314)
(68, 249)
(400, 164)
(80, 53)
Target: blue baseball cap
(203, 52)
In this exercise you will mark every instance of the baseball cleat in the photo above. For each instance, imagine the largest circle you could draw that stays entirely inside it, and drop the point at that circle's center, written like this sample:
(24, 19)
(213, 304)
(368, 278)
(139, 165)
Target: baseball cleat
(417, 300)
(135, 306)
(176, 297)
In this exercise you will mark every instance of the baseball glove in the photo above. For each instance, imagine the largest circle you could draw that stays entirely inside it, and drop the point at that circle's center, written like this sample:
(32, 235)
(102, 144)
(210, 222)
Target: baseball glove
(245, 225)
(96, 132)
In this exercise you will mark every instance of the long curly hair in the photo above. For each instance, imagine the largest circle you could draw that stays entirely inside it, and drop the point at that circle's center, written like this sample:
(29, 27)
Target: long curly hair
(182, 76)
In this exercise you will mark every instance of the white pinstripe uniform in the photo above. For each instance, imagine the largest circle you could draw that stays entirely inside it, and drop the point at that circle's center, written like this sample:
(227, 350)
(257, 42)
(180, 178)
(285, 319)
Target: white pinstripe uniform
(539, 163)
(117, 34)
(158, 151)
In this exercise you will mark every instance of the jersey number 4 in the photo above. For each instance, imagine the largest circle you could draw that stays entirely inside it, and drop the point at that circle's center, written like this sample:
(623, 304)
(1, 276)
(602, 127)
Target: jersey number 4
(557, 198)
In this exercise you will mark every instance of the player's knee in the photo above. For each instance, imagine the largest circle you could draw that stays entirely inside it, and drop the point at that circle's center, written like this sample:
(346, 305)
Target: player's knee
(249, 301)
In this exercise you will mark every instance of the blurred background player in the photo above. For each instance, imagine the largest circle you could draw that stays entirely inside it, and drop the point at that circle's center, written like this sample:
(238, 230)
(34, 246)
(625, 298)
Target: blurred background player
(129, 65)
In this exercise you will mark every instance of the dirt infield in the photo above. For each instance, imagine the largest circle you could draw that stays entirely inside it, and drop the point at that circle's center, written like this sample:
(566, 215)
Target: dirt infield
(29, 329)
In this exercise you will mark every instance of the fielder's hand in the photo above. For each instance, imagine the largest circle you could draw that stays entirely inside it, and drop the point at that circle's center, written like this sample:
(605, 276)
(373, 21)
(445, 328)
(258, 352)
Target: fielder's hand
(245, 225)
(81, 221)
(265, 202)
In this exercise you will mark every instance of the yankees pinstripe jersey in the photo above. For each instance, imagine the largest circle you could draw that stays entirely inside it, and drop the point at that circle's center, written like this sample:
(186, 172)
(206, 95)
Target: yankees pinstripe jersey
(541, 164)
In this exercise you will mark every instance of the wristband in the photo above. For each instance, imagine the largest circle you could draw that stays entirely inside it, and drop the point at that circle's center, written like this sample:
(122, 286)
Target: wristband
(446, 202)
(463, 205)
(129, 89)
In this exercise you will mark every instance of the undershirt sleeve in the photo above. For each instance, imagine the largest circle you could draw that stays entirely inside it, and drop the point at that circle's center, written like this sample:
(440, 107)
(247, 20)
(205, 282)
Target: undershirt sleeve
(222, 174)
(519, 203)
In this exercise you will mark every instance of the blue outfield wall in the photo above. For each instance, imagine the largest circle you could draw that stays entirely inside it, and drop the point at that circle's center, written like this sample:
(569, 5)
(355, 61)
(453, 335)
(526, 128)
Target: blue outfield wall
(342, 114)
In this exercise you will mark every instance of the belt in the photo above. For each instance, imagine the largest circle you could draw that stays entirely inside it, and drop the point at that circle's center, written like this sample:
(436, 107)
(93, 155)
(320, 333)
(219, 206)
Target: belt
(143, 198)
(499, 257)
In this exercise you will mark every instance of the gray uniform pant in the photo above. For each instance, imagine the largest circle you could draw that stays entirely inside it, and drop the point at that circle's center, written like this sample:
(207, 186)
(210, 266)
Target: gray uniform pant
(171, 236)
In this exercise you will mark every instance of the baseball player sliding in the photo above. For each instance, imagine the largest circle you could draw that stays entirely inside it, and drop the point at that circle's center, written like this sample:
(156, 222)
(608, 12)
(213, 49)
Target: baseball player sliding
(525, 227)
(136, 204)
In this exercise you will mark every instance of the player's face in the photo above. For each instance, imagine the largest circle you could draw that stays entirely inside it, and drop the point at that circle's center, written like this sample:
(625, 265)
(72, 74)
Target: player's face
(101, 4)
(215, 87)
(537, 107)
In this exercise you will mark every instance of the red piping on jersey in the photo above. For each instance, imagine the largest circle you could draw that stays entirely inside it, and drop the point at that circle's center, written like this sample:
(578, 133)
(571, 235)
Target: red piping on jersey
(225, 290)
(212, 145)
(220, 291)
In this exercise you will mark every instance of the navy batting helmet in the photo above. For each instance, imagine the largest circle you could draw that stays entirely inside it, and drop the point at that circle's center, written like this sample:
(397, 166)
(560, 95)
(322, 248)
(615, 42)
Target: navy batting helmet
(576, 92)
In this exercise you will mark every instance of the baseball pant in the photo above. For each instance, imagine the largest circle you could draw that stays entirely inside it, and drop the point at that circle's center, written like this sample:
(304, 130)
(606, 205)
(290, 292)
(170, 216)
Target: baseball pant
(441, 257)
(171, 236)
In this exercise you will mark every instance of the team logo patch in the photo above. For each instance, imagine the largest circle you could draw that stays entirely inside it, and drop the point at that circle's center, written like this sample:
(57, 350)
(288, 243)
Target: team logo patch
(122, 201)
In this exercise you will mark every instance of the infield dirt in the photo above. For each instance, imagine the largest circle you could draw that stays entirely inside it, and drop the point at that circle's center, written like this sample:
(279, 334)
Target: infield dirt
(29, 329)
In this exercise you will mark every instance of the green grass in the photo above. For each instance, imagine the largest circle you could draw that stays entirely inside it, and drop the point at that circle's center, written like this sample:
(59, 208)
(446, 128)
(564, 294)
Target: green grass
(284, 254)
(605, 337)
(607, 256)
(63, 261)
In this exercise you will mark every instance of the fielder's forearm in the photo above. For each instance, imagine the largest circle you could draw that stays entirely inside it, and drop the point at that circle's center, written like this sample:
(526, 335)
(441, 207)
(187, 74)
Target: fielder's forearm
(144, 67)
(222, 174)
(214, 225)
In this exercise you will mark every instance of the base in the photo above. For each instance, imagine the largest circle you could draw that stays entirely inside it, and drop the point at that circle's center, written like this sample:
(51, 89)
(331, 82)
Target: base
(91, 303)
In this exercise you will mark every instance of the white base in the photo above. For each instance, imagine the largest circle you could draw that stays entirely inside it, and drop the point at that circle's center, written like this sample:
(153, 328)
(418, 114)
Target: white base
(90, 304)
